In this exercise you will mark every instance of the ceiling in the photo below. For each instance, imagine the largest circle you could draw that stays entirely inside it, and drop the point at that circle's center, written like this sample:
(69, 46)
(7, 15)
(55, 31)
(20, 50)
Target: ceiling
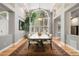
(3, 9)
(30, 6)
(75, 13)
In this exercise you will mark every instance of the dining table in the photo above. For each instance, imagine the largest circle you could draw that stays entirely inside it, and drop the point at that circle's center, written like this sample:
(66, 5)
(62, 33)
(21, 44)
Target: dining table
(40, 39)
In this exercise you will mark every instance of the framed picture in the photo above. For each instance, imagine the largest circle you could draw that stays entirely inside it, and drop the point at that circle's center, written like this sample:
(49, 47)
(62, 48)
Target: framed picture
(21, 25)
(75, 30)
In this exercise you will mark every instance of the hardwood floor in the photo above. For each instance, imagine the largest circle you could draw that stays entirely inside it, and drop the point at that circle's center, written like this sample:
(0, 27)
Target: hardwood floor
(21, 49)
(34, 50)
(14, 47)
(67, 48)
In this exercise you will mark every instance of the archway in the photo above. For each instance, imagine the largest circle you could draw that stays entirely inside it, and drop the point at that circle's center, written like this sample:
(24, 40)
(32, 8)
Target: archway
(39, 21)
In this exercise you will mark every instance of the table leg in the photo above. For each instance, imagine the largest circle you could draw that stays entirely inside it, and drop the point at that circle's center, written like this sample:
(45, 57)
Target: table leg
(28, 43)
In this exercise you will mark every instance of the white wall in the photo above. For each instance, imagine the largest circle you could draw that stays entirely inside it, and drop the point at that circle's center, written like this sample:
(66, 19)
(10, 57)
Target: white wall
(66, 36)
(63, 27)
(57, 22)
(14, 34)
(72, 40)
(3, 23)
(19, 14)
(7, 39)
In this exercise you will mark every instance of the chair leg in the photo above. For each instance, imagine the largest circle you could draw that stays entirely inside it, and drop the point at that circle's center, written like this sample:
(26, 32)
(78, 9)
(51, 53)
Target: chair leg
(40, 43)
(51, 44)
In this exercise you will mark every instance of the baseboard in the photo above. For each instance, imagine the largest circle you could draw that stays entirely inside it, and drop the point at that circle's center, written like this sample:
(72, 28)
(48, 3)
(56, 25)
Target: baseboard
(18, 41)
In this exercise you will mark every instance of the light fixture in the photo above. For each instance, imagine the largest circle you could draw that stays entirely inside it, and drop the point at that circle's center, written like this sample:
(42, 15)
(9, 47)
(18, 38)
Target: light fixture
(74, 21)
(40, 19)
(70, 17)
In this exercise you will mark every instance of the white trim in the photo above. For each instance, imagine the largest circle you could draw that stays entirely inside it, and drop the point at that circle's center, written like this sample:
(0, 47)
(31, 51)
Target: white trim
(6, 13)
(18, 41)
(3, 12)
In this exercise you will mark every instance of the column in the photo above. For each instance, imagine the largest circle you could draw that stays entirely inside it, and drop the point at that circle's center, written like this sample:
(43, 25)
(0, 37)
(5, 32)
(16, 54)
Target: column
(63, 27)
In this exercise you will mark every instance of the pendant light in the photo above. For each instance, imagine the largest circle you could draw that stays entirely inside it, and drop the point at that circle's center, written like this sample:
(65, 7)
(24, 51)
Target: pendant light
(39, 18)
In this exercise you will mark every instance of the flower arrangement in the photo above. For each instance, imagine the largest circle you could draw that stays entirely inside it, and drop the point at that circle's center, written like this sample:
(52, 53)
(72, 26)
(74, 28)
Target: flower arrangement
(39, 33)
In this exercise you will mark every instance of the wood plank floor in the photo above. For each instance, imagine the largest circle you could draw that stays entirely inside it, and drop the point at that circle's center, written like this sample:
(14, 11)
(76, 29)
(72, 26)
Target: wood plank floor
(68, 49)
(34, 50)
(21, 49)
